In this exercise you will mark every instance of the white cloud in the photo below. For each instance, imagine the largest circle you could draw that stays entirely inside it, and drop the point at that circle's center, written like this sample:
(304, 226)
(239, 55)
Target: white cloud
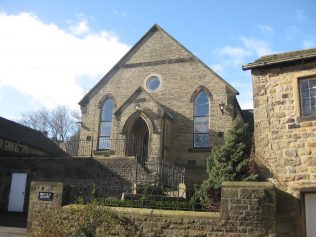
(266, 30)
(246, 104)
(232, 56)
(233, 52)
(80, 28)
(218, 68)
(44, 61)
(309, 44)
(260, 47)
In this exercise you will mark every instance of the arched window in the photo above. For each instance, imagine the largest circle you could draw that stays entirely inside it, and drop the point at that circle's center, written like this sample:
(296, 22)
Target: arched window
(201, 121)
(105, 125)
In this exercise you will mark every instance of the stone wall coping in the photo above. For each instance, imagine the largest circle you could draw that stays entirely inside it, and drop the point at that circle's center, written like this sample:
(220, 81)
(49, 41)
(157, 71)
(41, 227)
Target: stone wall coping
(241, 184)
(158, 212)
(69, 158)
(47, 183)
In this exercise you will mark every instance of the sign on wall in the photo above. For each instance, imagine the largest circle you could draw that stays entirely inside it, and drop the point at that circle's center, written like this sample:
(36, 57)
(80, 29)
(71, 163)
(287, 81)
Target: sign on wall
(45, 196)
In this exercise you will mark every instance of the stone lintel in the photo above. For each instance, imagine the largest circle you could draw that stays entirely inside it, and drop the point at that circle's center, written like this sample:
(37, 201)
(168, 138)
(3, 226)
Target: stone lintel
(241, 184)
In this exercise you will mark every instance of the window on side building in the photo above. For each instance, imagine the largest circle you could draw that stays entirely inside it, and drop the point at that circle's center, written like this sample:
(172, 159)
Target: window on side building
(201, 121)
(308, 96)
(105, 126)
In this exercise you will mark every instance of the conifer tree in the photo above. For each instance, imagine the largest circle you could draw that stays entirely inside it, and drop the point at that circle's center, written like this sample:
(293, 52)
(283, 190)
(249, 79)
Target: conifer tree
(228, 163)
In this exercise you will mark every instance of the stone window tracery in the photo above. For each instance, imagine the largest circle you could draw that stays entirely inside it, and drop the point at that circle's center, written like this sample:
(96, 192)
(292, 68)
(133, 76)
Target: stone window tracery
(105, 126)
(201, 121)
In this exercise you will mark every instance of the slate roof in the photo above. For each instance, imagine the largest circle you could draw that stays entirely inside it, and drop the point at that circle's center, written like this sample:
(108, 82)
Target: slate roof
(293, 56)
(13, 131)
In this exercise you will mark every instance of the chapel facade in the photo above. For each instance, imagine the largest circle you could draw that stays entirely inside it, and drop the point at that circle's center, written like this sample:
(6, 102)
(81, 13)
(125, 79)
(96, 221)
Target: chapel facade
(159, 102)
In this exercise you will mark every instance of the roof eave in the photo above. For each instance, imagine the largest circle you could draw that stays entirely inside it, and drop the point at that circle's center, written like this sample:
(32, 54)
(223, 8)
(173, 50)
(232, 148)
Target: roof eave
(265, 64)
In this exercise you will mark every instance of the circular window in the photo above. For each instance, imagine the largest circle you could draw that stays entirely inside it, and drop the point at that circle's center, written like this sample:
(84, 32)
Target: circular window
(153, 83)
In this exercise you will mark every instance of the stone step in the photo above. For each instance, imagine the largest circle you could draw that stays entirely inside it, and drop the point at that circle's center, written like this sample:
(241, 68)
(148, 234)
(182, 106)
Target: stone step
(12, 231)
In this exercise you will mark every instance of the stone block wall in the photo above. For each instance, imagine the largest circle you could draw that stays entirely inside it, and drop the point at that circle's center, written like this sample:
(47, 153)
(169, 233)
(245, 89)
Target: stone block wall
(111, 177)
(285, 142)
(43, 195)
(247, 209)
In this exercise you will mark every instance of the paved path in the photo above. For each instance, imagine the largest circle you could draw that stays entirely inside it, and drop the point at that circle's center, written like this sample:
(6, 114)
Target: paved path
(12, 224)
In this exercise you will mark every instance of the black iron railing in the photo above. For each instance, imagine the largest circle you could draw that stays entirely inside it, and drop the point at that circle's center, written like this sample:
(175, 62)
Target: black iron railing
(154, 197)
(170, 175)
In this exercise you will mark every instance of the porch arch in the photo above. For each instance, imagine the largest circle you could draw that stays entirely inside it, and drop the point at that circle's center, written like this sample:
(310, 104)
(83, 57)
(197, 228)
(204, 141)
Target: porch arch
(134, 117)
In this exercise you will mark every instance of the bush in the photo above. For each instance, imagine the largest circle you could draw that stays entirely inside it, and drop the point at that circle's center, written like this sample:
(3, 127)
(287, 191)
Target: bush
(88, 220)
(231, 162)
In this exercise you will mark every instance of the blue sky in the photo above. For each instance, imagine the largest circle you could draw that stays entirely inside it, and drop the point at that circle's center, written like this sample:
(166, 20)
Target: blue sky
(52, 52)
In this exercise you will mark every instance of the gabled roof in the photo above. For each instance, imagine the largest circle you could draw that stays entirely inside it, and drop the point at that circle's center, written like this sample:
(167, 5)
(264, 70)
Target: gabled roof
(121, 62)
(16, 132)
(137, 92)
(281, 58)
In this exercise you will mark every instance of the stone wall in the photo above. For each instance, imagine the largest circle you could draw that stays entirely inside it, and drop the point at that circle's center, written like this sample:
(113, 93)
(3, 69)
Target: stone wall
(247, 209)
(285, 141)
(111, 177)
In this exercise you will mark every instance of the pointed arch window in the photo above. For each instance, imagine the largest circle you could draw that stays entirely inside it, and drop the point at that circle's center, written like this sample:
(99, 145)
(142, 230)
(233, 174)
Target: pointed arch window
(201, 121)
(105, 127)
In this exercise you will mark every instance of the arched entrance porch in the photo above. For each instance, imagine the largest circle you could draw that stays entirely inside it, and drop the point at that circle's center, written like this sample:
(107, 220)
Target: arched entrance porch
(138, 138)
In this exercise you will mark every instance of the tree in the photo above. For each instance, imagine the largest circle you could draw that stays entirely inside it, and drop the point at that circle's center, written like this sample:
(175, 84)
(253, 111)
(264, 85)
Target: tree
(60, 122)
(231, 162)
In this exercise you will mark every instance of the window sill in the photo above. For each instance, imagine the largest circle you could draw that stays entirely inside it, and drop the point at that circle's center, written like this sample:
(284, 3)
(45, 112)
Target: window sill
(307, 118)
(103, 152)
(207, 149)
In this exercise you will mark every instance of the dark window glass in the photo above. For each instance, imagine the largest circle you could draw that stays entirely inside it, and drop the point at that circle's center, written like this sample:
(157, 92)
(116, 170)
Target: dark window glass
(308, 97)
(201, 140)
(201, 120)
(104, 143)
(201, 124)
(105, 125)
(201, 98)
(201, 110)
(105, 129)
(153, 83)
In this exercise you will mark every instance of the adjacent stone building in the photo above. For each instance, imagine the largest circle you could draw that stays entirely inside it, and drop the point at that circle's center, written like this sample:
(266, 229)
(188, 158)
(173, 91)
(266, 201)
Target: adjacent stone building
(159, 102)
(18, 140)
(284, 92)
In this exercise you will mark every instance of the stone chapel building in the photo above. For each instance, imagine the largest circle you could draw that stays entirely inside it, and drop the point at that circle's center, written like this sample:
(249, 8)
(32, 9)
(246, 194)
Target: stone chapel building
(159, 102)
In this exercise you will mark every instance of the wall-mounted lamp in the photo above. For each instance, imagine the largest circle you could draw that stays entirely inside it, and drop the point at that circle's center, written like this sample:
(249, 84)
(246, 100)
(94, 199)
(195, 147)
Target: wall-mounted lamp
(137, 106)
(221, 107)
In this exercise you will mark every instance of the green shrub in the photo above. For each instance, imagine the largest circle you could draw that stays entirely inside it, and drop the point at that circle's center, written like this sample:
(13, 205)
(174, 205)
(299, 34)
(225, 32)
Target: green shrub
(88, 220)
(231, 162)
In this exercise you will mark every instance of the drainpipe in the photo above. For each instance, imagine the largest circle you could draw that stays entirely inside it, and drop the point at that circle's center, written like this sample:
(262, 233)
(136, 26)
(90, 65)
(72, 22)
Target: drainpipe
(163, 137)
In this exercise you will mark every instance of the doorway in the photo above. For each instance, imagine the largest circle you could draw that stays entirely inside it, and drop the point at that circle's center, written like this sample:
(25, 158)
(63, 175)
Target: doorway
(310, 214)
(17, 192)
(139, 140)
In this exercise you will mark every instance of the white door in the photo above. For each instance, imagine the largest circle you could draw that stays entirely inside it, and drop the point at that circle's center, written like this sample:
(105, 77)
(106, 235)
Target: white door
(310, 212)
(17, 192)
